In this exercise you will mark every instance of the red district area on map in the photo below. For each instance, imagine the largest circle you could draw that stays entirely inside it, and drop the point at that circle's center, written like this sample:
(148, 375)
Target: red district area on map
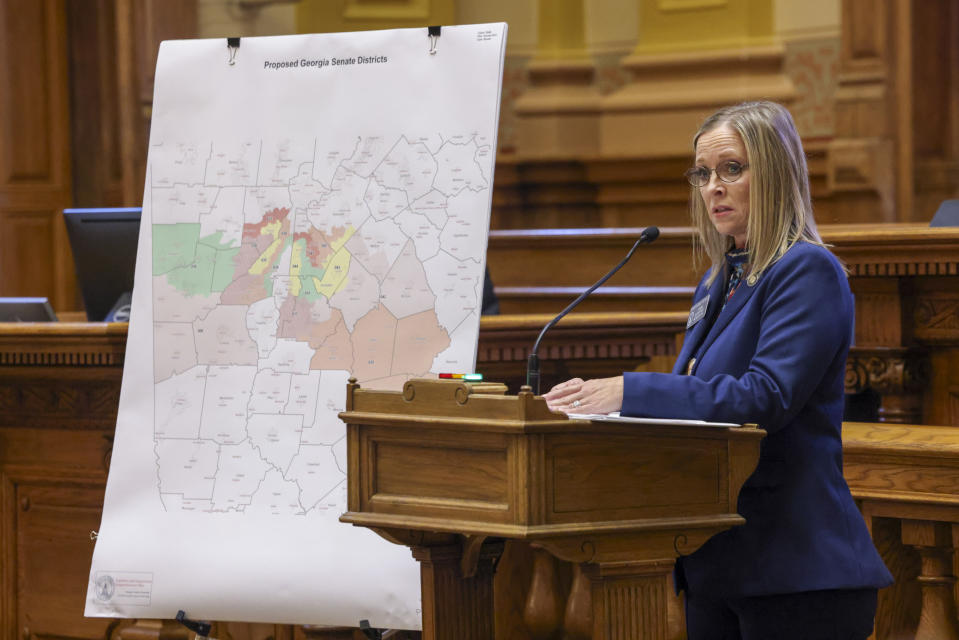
(246, 287)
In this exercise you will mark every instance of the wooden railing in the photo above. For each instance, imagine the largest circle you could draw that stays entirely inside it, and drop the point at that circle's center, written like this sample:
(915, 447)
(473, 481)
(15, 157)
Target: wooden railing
(904, 277)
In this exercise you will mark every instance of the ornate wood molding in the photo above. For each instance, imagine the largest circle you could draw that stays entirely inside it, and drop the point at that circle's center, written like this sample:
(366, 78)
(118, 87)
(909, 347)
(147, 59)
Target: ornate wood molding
(886, 370)
(60, 404)
(584, 336)
(63, 344)
(936, 318)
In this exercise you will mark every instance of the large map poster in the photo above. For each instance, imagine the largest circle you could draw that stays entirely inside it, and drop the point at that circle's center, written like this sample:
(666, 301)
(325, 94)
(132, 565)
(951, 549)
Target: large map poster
(316, 210)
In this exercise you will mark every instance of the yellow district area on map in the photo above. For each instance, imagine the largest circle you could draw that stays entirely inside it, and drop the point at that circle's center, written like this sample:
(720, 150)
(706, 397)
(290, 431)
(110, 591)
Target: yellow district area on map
(295, 268)
(335, 276)
(266, 258)
(336, 266)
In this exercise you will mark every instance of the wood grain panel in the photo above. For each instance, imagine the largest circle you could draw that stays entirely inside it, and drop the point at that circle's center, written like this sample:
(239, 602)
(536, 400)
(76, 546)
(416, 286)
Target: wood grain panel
(34, 157)
(480, 474)
(650, 476)
(864, 30)
(53, 563)
(26, 253)
(35, 116)
(920, 482)
(516, 300)
(94, 103)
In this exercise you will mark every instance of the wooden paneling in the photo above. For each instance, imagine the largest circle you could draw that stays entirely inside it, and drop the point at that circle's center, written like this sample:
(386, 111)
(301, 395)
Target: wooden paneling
(55, 517)
(58, 406)
(73, 70)
(935, 109)
(94, 104)
(34, 157)
(52, 480)
(531, 299)
(34, 117)
(141, 26)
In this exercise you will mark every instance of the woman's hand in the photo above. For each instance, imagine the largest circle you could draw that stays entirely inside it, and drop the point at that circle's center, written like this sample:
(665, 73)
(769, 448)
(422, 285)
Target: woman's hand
(601, 395)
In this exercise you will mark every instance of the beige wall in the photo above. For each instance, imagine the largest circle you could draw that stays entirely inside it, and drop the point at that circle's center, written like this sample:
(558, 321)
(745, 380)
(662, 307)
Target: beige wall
(225, 18)
(803, 19)
(609, 31)
(611, 26)
(520, 15)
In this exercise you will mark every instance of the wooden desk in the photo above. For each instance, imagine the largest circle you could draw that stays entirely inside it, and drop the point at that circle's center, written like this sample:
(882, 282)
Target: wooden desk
(59, 391)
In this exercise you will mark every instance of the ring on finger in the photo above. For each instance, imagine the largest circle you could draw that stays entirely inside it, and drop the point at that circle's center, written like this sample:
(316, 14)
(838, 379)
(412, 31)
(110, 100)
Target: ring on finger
(576, 403)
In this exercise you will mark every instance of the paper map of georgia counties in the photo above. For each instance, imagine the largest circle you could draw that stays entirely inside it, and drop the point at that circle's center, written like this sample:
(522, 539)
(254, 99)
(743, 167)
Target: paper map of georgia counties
(318, 210)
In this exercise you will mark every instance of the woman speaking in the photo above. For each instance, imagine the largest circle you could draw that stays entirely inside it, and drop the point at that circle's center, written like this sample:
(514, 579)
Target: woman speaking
(766, 342)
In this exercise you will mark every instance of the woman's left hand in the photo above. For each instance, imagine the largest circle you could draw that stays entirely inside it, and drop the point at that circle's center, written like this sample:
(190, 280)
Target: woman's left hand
(600, 395)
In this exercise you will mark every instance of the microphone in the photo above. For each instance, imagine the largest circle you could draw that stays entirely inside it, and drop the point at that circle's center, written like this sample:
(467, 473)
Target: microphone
(648, 235)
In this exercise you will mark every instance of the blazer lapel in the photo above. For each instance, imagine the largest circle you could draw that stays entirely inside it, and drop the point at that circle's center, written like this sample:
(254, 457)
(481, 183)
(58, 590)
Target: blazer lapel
(696, 333)
(739, 299)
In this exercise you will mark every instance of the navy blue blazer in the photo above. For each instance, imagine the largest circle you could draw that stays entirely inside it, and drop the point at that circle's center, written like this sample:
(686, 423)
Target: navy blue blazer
(776, 356)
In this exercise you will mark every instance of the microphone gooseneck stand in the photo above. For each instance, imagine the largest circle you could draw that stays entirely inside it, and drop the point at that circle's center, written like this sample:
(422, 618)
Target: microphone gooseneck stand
(532, 362)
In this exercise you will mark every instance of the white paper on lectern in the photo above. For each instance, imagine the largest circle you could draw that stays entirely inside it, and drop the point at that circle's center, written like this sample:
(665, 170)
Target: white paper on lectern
(319, 208)
(677, 422)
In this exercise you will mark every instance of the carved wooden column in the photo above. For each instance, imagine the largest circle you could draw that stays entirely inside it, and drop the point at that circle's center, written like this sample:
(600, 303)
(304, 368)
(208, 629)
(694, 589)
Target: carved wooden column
(863, 160)
(558, 115)
(457, 594)
(686, 65)
(934, 541)
(607, 601)
(630, 599)
(578, 620)
(892, 158)
(544, 602)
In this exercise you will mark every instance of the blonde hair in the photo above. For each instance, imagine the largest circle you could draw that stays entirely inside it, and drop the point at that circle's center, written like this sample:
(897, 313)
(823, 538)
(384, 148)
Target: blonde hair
(780, 207)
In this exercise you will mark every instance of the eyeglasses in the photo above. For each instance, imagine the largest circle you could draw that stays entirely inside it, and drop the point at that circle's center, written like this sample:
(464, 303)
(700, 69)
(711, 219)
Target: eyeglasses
(729, 171)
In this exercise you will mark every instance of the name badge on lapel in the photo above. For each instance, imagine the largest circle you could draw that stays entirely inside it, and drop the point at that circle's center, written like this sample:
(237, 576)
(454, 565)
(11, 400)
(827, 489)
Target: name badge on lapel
(697, 312)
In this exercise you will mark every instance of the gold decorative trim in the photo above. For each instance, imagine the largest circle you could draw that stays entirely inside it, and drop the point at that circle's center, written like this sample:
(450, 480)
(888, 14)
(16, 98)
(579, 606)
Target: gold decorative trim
(689, 5)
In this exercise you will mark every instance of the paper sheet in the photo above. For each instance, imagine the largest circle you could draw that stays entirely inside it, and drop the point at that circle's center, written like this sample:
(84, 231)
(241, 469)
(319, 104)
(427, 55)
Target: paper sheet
(316, 210)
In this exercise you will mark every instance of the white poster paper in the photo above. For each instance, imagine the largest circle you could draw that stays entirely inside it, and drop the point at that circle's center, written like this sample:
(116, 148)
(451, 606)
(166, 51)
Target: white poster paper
(316, 210)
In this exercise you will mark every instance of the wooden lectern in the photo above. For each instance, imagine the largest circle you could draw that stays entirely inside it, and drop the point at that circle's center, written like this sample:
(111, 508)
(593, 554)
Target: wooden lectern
(452, 469)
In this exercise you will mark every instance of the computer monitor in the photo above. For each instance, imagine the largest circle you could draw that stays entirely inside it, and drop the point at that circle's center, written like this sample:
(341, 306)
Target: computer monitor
(26, 310)
(104, 244)
(947, 215)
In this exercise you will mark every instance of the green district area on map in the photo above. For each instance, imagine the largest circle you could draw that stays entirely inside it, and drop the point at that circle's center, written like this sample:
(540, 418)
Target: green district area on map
(194, 265)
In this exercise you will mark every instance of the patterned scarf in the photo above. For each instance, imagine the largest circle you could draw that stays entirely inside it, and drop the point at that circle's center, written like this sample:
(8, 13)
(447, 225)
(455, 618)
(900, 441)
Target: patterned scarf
(738, 261)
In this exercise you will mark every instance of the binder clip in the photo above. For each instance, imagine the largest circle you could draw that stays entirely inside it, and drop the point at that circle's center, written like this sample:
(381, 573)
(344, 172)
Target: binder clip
(201, 629)
(370, 632)
(434, 34)
(232, 45)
